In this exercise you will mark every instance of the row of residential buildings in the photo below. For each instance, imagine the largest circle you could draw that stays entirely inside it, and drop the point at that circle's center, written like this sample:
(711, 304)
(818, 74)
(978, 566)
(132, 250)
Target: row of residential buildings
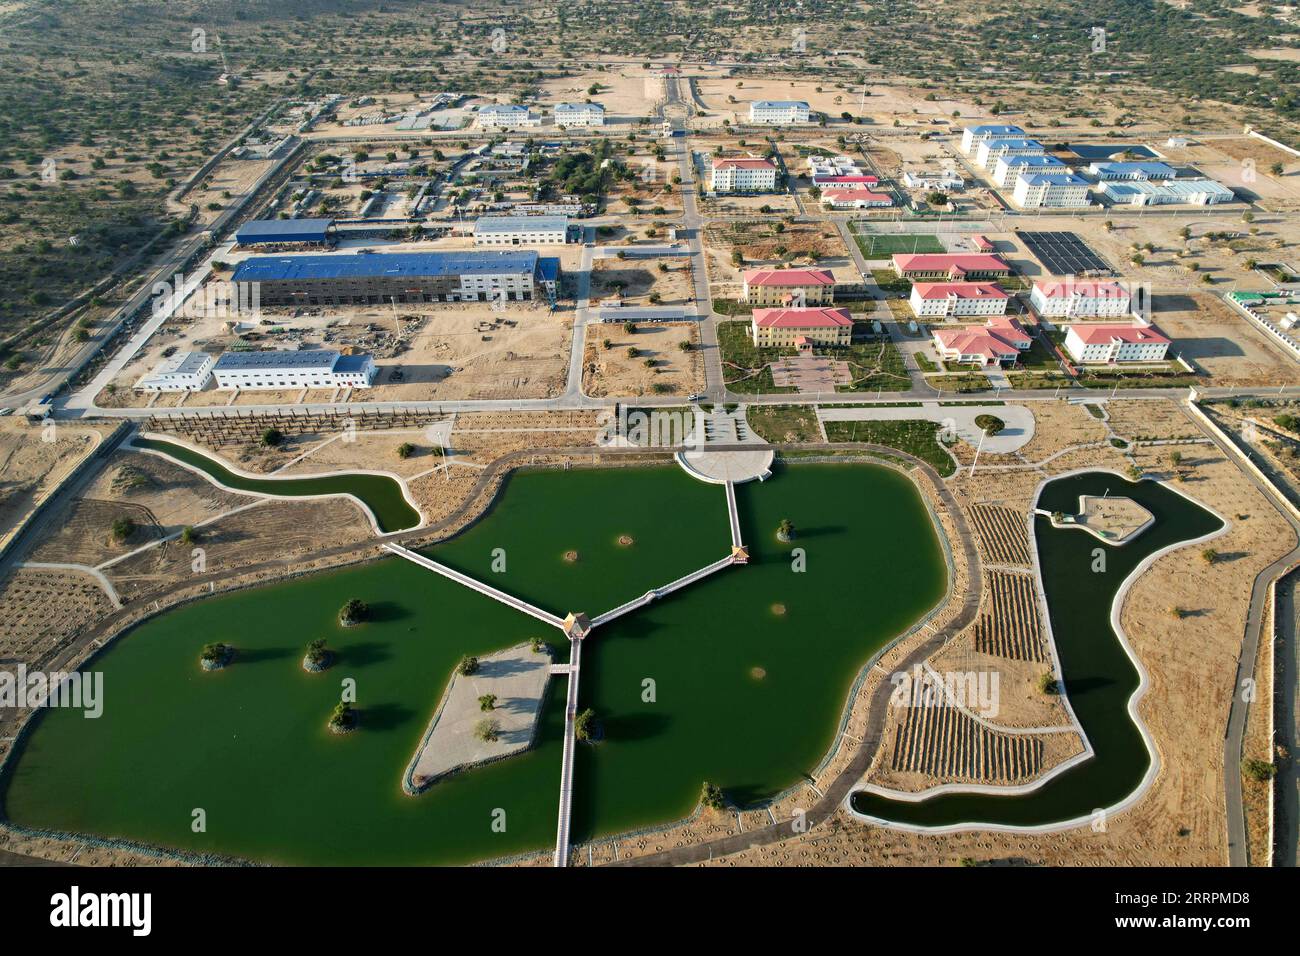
(1001, 340)
(843, 185)
(512, 116)
(1037, 180)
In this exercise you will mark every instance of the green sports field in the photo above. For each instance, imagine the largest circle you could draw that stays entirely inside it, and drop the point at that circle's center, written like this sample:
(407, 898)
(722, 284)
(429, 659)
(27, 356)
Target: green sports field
(880, 247)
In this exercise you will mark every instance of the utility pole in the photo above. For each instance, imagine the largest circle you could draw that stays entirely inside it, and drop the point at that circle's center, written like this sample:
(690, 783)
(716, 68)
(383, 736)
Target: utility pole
(983, 435)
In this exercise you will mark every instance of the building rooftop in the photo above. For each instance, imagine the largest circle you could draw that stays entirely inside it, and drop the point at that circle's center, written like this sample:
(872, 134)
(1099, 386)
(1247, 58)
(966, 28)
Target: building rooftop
(802, 318)
(1133, 333)
(1013, 144)
(1150, 170)
(976, 342)
(498, 224)
(748, 163)
(279, 359)
(1032, 161)
(182, 363)
(269, 230)
(1054, 179)
(779, 104)
(1070, 288)
(960, 290)
(939, 261)
(1178, 188)
(578, 108)
(503, 108)
(355, 265)
(996, 130)
(786, 277)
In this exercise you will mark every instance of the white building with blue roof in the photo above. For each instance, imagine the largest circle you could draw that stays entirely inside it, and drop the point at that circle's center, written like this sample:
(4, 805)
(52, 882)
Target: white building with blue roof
(778, 112)
(1010, 168)
(508, 116)
(579, 114)
(1132, 171)
(314, 368)
(1054, 190)
(182, 372)
(989, 152)
(973, 136)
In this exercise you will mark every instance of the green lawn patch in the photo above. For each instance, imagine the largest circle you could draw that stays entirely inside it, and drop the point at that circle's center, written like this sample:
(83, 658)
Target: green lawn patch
(882, 247)
(918, 438)
(784, 423)
(744, 365)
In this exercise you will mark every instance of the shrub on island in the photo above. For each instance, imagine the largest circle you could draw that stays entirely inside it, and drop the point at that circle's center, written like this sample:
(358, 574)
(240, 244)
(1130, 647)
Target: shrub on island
(785, 530)
(354, 612)
(343, 718)
(215, 656)
(318, 656)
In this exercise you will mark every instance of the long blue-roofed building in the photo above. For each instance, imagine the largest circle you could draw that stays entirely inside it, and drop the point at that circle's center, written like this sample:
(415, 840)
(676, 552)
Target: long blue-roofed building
(404, 277)
(284, 232)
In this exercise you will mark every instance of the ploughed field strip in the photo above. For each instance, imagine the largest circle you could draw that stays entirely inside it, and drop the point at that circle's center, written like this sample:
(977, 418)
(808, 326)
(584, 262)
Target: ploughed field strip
(1002, 534)
(41, 606)
(1010, 625)
(235, 427)
(942, 741)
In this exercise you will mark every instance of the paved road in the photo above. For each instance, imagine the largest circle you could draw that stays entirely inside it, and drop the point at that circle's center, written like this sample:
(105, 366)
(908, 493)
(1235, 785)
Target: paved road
(1238, 848)
(1287, 722)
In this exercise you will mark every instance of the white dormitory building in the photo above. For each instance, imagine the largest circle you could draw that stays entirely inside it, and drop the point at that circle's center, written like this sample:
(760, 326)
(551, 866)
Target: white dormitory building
(998, 342)
(854, 196)
(1119, 342)
(182, 372)
(1051, 190)
(778, 112)
(579, 114)
(1174, 192)
(1081, 299)
(319, 368)
(506, 117)
(521, 230)
(988, 154)
(944, 180)
(957, 299)
(973, 136)
(1132, 171)
(748, 175)
(1010, 168)
(832, 166)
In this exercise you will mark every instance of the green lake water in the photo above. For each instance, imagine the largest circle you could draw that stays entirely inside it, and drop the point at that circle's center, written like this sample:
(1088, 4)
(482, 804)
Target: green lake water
(383, 495)
(742, 696)
(1099, 676)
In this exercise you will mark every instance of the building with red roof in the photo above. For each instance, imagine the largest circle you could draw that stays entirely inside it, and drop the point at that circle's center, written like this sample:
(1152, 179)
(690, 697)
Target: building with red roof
(788, 287)
(743, 175)
(1116, 342)
(786, 327)
(1082, 298)
(957, 299)
(999, 342)
(952, 266)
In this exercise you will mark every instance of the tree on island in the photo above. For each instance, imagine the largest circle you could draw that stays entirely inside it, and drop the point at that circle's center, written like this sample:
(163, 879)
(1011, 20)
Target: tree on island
(467, 667)
(487, 730)
(785, 530)
(989, 424)
(342, 718)
(1047, 683)
(354, 612)
(318, 656)
(122, 528)
(487, 702)
(216, 655)
(405, 449)
(712, 797)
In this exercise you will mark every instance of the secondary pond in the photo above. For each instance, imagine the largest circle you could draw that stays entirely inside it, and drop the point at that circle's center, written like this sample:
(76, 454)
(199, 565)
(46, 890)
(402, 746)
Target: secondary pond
(380, 493)
(739, 680)
(1099, 675)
